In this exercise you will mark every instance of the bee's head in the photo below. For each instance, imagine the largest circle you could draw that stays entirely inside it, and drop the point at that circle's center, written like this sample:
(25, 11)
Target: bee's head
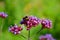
(26, 18)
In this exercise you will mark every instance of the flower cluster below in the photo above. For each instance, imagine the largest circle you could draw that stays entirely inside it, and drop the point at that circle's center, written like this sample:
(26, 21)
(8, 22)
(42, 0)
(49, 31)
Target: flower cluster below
(46, 37)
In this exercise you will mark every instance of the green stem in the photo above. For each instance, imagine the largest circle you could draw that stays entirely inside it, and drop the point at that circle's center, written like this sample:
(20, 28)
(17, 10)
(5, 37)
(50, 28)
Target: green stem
(37, 32)
(23, 36)
(40, 30)
(29, 35)
(2, 24)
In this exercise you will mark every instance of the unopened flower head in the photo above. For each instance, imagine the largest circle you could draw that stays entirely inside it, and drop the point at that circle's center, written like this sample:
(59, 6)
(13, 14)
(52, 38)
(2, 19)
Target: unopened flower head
(15, 29)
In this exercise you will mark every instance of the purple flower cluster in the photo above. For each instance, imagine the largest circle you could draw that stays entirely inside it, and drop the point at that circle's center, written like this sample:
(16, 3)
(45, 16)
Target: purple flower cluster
(30, 21)
(15, 29)
(46, 37)
(3, 15)
(46, 23)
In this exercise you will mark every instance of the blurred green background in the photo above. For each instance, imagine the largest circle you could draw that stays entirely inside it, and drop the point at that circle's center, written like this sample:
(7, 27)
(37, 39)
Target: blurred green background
(16, 9)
